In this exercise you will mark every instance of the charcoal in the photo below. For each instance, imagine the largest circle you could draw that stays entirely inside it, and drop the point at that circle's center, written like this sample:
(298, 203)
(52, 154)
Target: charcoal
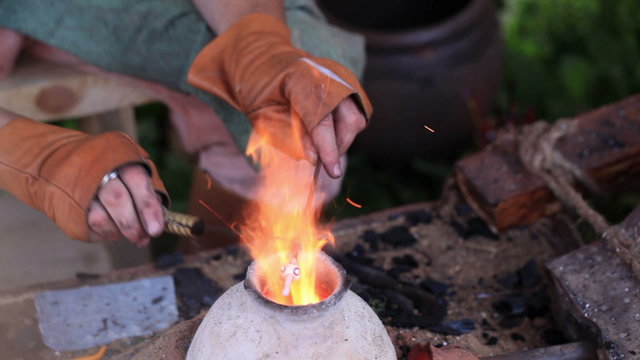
(358, 254)
(427, 304)
(538, 304)
(405, 350)
(491, 341)
(554, 337)
(487, 326)
(513, 304)
(463, 209)
(398, 237)
(398, 269)
(195, 291)
(435, 287)
(457, 327)
(526, 277)
(414, 218)
(510, 322)
(409, 320)
(477, 226)
(372, 238)
(403, 303)
(517, 337)
(406, 260)
(169, 260)
(459, 228)
(509, 281)
(529, 275)
(239, 276)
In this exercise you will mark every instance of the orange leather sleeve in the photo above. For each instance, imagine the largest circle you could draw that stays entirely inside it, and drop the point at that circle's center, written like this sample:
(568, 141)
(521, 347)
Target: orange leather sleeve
(58, 171)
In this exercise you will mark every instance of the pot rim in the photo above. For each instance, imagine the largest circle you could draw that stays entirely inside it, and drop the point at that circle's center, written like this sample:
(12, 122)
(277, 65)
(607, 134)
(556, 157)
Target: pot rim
(300, 310)
(473, 11)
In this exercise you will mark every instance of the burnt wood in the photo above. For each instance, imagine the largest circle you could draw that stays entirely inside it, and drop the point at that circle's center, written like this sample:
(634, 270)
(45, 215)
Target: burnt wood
(605, 146)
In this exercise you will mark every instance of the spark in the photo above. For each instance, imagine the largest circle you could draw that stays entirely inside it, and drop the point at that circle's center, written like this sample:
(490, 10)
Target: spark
(231, 226)
(354, 203)
(430, 129)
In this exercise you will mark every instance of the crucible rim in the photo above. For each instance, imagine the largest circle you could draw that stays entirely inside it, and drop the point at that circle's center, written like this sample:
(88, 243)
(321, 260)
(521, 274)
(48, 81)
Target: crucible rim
(299, 310)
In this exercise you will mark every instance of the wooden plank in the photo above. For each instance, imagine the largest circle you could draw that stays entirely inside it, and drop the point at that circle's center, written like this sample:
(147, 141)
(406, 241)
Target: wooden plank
(46, 91)
(606, 147)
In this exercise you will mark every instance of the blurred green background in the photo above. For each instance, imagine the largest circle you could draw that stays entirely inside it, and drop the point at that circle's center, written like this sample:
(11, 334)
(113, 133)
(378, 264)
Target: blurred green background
(562, 57)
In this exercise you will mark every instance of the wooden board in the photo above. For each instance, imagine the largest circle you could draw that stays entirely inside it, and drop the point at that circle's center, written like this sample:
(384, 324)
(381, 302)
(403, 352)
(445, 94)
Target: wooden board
(45, 91)
(606, 147)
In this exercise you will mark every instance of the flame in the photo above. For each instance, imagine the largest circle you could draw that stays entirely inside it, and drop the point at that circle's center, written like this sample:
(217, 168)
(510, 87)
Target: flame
(282, 224)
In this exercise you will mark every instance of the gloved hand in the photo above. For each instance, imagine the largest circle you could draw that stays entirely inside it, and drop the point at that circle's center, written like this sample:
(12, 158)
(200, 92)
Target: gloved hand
(59, 171)
(287, 93)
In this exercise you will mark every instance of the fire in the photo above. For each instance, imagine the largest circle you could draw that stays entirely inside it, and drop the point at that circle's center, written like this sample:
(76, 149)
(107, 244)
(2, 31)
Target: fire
(281, 228)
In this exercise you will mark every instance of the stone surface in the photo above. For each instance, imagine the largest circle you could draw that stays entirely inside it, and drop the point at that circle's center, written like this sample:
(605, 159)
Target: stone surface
(598, 298)
(85, 317)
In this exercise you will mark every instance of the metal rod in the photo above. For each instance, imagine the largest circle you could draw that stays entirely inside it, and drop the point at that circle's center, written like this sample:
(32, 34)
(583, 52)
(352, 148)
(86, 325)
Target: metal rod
(572, 351)
(314, 184)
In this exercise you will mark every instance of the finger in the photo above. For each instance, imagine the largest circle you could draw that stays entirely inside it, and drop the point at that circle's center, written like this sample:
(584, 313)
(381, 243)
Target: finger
(11, 44)
(117, 201)
(323, 137)
(309, 150)
(100, 224)
(146, 200)
(348, 121)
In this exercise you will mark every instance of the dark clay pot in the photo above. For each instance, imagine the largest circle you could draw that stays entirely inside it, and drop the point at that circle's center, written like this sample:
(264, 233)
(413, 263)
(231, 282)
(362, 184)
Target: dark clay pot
(428, 60)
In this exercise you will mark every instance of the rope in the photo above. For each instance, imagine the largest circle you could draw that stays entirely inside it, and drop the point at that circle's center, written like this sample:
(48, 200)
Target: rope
(536, 148)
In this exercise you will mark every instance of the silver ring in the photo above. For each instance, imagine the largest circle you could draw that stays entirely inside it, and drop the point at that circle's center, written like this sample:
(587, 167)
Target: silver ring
(110, 176)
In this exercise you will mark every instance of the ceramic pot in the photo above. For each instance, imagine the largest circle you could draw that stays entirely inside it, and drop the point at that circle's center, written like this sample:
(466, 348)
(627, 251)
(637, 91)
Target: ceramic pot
(435, 63)
(244, 324)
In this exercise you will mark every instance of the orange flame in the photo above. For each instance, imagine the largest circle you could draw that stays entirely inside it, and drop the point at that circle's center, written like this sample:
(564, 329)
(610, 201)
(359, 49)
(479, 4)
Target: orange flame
(282, 225)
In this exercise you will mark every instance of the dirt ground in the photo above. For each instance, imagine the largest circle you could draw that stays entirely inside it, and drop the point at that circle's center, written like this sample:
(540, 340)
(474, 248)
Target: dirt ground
(451, 247)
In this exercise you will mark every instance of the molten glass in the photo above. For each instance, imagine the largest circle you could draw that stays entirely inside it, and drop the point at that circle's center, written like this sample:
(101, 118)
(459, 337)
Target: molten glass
(284, 219)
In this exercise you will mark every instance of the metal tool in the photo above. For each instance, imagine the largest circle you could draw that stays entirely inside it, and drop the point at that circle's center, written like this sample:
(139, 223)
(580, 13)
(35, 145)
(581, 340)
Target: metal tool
(314, 184)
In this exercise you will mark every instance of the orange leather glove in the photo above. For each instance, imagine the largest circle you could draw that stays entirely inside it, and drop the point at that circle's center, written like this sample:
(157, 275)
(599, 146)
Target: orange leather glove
(58, 171)
(254, 67)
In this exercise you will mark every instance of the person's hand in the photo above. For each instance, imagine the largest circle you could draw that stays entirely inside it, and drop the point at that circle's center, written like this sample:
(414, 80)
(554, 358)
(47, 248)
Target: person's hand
(333, 136)
(126, 205)
(60, 171)
(307, 106)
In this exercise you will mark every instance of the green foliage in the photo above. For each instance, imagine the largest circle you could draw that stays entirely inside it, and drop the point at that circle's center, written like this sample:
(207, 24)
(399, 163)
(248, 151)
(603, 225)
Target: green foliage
(566, 56)
(176, 170)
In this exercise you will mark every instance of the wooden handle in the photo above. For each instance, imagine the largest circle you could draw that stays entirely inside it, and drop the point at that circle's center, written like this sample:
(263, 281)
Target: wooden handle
(183, 224)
